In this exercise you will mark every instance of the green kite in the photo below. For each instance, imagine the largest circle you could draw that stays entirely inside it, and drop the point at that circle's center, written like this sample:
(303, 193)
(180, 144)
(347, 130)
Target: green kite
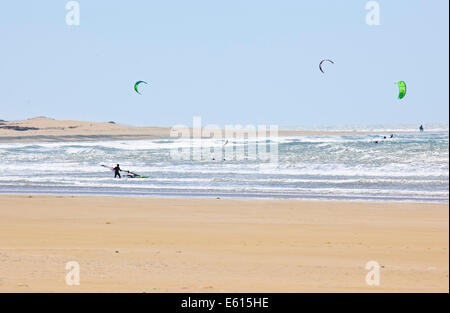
(137, 84)
(401, 89)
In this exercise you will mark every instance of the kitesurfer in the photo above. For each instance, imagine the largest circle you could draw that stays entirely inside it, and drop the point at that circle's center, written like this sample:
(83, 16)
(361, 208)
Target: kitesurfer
(421, 128)
(117, 171)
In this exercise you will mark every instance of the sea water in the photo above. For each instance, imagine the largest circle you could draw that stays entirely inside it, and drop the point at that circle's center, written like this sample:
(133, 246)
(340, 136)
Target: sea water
(407, 167)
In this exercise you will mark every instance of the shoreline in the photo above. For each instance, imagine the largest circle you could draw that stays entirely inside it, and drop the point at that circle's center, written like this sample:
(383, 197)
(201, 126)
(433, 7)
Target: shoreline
(130, 244)
(218, 197)
(23, 138)
(184, 197)
(43, 129)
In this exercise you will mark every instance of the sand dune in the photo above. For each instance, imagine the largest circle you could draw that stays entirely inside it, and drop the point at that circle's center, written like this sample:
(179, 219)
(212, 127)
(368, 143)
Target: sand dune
(47, 129)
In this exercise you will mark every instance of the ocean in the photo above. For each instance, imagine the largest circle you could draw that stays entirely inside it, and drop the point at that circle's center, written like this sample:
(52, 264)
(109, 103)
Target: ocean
(407, 167)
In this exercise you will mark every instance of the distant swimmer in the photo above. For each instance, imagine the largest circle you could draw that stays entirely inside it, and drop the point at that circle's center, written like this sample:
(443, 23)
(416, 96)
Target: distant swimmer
(117, 171)
(421, 128)
(392, 136)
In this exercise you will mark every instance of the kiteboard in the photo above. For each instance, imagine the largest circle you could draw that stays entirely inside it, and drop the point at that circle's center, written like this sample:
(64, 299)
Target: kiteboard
(136, 176)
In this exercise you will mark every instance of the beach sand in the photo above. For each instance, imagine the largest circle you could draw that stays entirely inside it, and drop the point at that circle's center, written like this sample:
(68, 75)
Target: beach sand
(220, 245)
(47, 129)
(43, 129)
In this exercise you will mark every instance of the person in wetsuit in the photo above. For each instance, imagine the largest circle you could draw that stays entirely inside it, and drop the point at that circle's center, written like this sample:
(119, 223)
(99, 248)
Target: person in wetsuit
(117, 171)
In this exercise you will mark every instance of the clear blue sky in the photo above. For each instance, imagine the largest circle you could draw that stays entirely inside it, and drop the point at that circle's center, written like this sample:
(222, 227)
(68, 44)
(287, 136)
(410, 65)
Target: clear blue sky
(230, 62)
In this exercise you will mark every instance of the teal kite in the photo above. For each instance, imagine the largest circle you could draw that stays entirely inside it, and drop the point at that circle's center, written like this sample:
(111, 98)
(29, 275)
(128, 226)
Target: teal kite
(401, 89)
(137, 84)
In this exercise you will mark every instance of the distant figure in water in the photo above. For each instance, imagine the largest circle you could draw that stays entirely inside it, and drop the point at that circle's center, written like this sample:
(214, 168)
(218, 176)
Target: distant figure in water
(117, 171)
(421, 128)
(392, 136)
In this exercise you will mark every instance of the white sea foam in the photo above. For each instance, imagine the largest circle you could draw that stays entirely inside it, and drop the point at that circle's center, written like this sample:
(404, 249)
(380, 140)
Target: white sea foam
(407, 167)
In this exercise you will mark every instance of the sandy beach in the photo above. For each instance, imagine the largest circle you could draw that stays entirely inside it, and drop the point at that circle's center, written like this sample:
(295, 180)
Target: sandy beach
(183, 148)
(220, 245)
(42, 129)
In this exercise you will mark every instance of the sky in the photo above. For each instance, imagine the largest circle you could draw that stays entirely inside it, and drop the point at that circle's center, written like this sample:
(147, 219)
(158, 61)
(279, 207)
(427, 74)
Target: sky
(228, 62)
